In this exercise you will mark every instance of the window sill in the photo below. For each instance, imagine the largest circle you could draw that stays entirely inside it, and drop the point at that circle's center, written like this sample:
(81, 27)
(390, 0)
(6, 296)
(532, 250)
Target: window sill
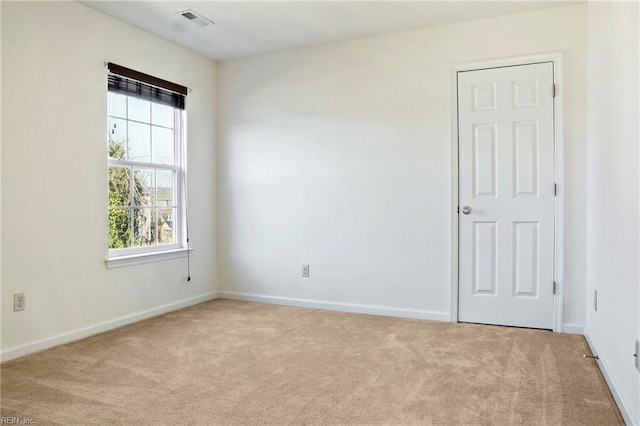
(137, 259)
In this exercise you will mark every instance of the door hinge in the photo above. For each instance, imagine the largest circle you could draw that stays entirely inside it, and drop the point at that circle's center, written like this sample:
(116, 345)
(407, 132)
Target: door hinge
(555, 287)
(555, 189)
(458, 209)
(554, 90)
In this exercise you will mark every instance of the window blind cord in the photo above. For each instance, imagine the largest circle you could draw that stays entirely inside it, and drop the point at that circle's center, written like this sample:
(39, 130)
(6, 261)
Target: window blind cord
(186, 213)
(188, 253)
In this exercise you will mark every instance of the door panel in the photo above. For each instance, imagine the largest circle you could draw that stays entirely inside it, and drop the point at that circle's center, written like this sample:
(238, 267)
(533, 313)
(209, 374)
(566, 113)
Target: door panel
(525, 162)
(525, 252)
(484, 164)
(486, 258)
(506, 179)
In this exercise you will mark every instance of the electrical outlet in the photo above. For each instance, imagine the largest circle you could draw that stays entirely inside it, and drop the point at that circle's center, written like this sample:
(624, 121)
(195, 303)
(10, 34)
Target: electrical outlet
(305, 271)
(19, 302)
(595, 300)
(637, 355)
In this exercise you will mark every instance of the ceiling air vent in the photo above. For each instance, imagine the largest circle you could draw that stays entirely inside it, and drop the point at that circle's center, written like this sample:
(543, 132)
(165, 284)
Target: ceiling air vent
(196, 18)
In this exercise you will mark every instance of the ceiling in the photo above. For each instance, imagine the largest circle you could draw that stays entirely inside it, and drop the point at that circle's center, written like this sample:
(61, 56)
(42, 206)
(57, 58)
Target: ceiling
(247, 28)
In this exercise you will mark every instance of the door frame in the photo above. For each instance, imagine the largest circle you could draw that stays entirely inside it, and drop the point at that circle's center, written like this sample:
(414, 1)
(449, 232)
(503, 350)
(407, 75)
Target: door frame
(558, 259)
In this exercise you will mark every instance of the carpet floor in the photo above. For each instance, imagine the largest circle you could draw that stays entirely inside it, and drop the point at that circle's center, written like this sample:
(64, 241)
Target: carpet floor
(231, 362)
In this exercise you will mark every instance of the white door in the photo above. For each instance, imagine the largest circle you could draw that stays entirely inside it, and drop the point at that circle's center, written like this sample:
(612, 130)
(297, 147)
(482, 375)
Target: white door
(506, 195)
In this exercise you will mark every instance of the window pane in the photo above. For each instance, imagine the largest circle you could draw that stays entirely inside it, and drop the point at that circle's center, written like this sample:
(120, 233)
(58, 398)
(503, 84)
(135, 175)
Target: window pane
(162, 145)
(143, 202)
(165, 226)
(117, 105)
(139, 142)
(139, 110)
(117, 138)
(164, 188)
(144, 187)
(162, 115)
(119, 228)
(119, 186)
(144, 227)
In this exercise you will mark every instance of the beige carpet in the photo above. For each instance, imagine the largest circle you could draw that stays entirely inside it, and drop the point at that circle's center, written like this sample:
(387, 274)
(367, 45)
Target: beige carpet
(229, 362)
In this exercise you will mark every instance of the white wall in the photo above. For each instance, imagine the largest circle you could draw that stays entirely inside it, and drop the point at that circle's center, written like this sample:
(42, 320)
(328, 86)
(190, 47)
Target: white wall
(339, 156)
(612, 231)
(54, 216)
(1, 297)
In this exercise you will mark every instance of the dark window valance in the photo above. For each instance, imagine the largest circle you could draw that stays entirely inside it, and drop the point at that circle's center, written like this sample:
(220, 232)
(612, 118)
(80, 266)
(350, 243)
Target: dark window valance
(144, 86)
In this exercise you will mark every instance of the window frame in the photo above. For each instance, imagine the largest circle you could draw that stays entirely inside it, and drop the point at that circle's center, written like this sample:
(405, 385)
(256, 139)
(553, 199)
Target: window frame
(178, 248)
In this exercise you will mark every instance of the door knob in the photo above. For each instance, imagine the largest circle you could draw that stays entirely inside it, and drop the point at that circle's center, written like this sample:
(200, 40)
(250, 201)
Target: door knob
(466, 210)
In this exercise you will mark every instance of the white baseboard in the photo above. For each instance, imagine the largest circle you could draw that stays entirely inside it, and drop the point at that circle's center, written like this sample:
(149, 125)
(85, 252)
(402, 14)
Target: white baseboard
(340, 307)
(623, 405)
(573, 328)
(18, 351)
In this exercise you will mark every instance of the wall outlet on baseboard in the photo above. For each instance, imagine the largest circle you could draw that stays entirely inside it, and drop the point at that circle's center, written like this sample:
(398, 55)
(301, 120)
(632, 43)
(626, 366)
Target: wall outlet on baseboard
(305, 271)
(595, 300)
(19, 302)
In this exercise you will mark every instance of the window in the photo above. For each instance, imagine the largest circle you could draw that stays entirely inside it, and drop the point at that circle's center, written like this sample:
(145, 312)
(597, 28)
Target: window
(145, 164)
